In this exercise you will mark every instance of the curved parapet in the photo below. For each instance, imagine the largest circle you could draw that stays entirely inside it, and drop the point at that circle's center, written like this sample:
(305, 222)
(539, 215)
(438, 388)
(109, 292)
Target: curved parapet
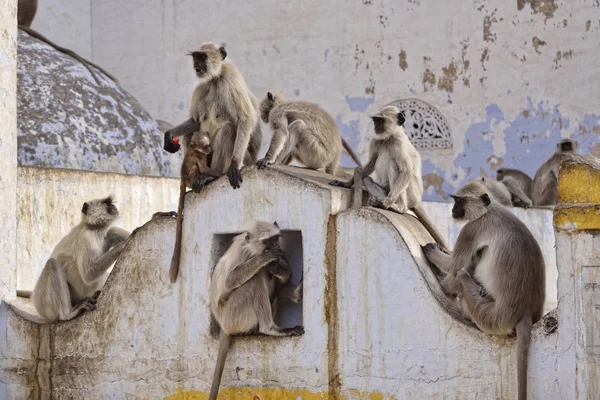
(372, 327)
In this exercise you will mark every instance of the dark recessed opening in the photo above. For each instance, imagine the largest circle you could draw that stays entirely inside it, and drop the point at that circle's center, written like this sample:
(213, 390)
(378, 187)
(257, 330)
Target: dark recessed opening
(289, 313)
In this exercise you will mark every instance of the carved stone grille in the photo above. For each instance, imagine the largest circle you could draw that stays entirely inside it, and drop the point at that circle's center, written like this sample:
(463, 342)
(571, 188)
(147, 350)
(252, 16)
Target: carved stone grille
(425, 126)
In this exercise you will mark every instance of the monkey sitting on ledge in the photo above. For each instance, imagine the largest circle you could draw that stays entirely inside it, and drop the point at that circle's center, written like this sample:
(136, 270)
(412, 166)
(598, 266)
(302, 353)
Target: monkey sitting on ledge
(496, 271)
(76, 271)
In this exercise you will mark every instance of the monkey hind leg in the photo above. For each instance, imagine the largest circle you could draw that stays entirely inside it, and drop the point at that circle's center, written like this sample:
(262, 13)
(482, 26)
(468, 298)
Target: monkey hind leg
(266, 324)
(51, 296)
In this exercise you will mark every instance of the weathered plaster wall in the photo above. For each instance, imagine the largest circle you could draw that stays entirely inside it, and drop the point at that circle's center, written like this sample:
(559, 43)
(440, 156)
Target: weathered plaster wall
(151, 339)
(50, 201)
(512, 78)
(8, 145)
(66, 22)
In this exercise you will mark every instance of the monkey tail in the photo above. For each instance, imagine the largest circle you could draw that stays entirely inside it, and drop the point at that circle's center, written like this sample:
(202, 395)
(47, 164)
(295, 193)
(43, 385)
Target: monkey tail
(224, 343)
(524, 327)
(71, 53)
(24, 293)
(176, 259)
(418, 210)
(351, 152)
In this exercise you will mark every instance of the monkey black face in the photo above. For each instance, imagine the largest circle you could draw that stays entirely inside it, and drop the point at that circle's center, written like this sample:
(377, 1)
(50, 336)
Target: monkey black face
(200, 59)
(272, 243)
(565, 146)
(400, 119)
(458, 211)
(110, 207)
(379, 124)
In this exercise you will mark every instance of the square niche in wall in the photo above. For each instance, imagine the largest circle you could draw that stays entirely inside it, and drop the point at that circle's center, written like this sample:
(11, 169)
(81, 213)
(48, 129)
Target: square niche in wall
(289, 314)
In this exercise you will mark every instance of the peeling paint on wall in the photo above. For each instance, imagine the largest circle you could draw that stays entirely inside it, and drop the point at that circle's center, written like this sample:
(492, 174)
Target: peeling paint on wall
(545, 7)
(402, 60)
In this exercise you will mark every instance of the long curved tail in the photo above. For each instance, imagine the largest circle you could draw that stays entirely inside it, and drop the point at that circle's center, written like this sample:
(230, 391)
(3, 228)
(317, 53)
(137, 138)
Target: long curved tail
(176, 259)
(524, 327)
(224, 343)
(418, 210)
(351, 153)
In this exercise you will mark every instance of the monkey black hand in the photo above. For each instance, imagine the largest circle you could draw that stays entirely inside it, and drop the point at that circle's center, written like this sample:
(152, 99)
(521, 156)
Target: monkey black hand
(169, 145)
(262, 163)
(234, 175)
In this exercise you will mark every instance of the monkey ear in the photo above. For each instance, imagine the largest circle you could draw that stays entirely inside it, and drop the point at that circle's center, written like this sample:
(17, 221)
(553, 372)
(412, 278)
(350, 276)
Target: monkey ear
(84, 209)
(401, 119)
(223, 52)
(247, 236)
(270, 96)
(486, 199)
(482, 179)
(275, 223)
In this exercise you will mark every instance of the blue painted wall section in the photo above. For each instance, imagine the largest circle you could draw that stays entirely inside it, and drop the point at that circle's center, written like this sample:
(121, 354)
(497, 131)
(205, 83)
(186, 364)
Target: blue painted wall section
(529, 140)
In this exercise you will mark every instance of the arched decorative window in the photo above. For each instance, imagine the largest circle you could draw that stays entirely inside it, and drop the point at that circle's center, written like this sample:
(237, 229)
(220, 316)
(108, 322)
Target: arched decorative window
(425, 126)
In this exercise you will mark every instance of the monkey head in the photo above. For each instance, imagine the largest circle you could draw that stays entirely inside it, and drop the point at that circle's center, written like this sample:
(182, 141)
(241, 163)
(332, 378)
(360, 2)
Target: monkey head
(565, 146)
(387, 119)
(268, 104)
(99, 213)
(500, 175)
(471, 201)
(265, 236)
(208, 61)
(200, 141)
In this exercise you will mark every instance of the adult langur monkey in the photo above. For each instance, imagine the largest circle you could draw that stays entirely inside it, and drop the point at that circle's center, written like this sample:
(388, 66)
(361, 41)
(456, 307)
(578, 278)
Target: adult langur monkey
(304, 132)
(26, 10)
(76, 271)
(397, 166)
(496, 270)
(223, 106)
(247, 283)
(518, 184)
(544, 190)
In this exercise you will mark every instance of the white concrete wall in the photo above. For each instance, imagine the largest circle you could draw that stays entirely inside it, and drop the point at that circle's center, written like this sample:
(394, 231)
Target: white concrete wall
(68, 23)
(50, 201)
(8, 145)
(512, 78)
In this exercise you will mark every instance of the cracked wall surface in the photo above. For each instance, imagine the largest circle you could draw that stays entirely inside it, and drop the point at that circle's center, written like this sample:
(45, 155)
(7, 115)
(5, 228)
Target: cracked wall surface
(512, 78)
(8, 144)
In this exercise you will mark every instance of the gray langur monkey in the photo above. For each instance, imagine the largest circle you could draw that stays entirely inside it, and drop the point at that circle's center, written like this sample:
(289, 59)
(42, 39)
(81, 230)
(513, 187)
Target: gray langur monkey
(518, 184)
(247, 283)
(26, 10)
(498, 192)
(544, 191)
(397, 167)
(304, 132)
(496, 270)
(223, 106)
(76, 271)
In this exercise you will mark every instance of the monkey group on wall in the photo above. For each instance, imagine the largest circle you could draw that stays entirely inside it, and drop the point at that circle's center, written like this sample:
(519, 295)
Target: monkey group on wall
(501, 291)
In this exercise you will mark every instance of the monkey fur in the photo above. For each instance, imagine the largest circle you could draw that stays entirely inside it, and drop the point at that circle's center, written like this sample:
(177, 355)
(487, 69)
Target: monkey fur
(496, 271)
(304, 132)
(246, 284)
(195, 173)
(544, 191)
(397, 167)
(76, 270)
(518, 184)
(223, 106)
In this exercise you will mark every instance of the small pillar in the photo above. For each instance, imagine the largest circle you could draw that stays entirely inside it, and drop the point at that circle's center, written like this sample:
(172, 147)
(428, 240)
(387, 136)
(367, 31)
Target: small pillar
(577, 224)
(8, 148)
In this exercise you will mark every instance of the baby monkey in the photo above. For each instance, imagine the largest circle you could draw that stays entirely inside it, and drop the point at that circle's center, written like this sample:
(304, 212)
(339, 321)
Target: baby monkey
(195, 173)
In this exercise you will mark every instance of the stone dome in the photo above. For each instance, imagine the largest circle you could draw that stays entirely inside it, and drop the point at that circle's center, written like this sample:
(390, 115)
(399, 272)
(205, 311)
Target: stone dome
(66, 120)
